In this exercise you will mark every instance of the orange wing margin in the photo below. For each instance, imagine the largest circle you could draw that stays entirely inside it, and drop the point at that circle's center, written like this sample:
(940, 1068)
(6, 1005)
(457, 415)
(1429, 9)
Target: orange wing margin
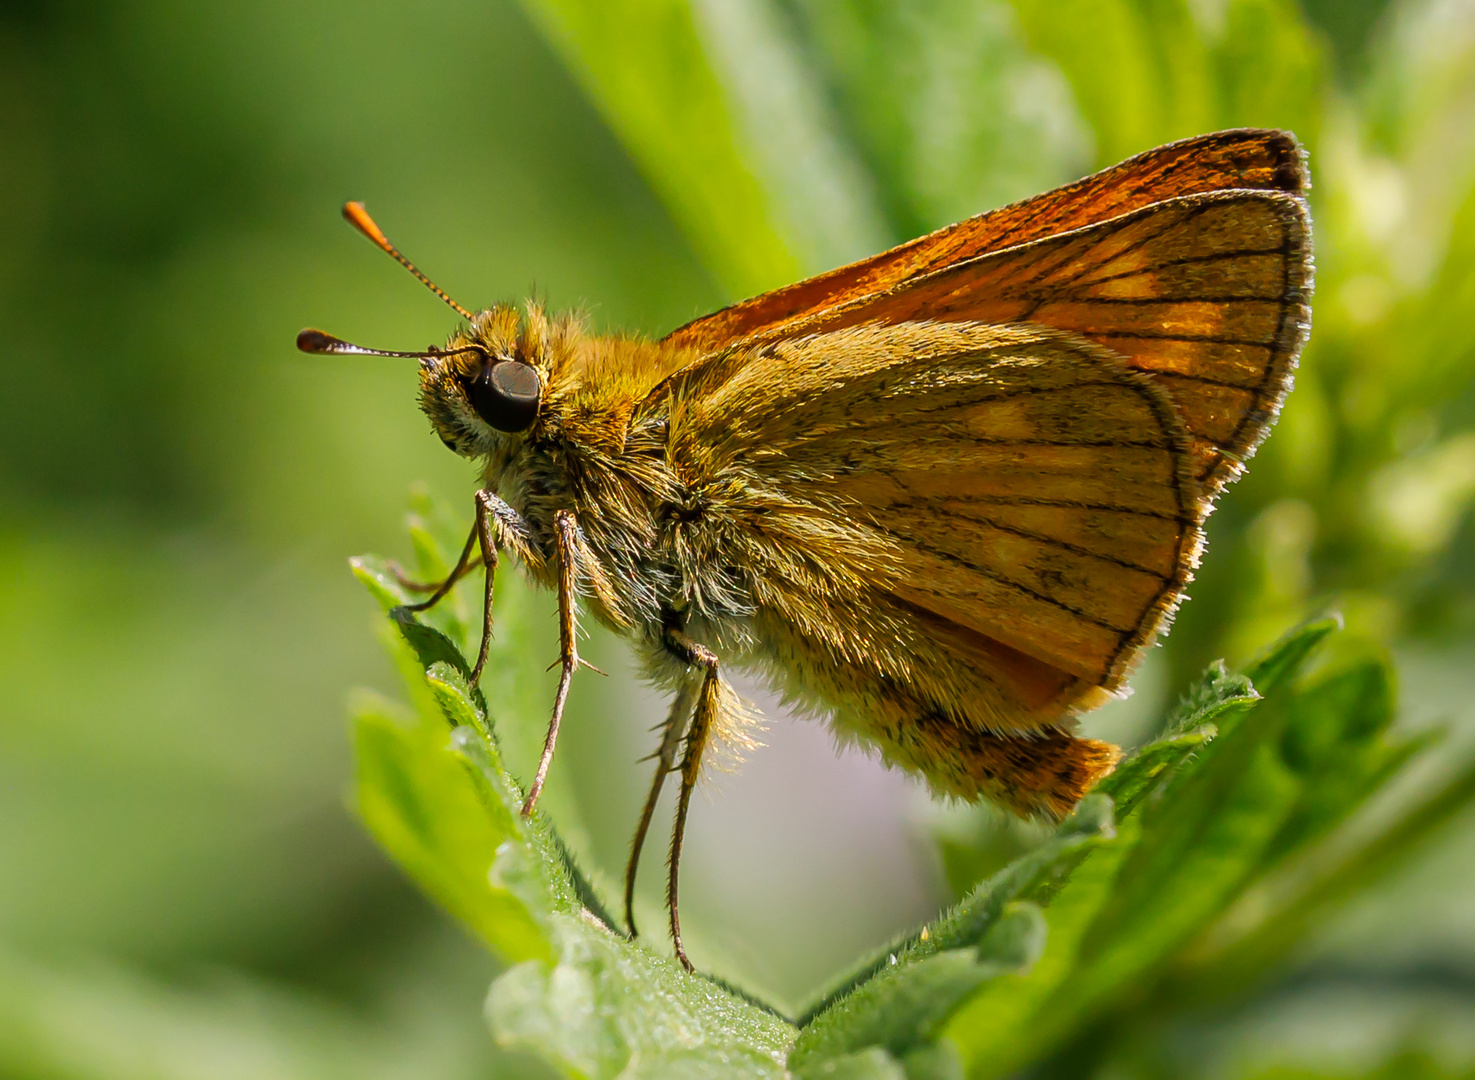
(1242, 158)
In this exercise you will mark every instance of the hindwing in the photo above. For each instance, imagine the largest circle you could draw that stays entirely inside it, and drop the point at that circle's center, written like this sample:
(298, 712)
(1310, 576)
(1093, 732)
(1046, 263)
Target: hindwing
(1015, 496)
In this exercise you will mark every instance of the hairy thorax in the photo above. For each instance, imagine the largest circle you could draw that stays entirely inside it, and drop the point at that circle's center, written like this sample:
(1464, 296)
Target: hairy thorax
(654, 518)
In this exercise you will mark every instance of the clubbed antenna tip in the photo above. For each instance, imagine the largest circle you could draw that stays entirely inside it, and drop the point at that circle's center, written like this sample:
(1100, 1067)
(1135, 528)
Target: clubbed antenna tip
(355, 214)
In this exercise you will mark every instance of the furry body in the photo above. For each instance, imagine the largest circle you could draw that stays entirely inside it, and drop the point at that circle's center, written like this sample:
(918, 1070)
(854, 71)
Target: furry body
(718, 491)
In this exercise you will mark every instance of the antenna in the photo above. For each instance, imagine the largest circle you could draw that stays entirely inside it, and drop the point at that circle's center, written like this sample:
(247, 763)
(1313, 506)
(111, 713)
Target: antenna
(316, 341)
(359, 218)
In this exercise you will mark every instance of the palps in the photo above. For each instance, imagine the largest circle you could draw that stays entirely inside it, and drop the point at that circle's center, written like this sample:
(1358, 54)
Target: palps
(946, 495)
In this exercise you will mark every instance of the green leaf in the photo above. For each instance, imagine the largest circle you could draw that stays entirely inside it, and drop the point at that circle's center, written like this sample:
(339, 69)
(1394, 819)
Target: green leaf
(948, 109)
(872, 1063)
(608, 1006)
(1173, 867)
(1139, 68)
(415, 796)
(1199, 848)
(645, 68)
(1338, 746)
(1285, 659)
(429, 634)
(1003, 1025)
(1146, 72)
(1034, 875)
(1126, 899)
(511, 677)
(901, 1000)
(1215, 691)
(433, 788)
(1140, 772)
(1031, 875)
(1241, 950)
(1218, 697)
(903, 1007)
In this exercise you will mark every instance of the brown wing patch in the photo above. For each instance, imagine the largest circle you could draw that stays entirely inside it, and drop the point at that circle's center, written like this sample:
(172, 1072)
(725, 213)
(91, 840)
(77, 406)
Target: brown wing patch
(1031, 490)
(1206, 294)
(1241, 159)
(1060, 591)
(1040, 687)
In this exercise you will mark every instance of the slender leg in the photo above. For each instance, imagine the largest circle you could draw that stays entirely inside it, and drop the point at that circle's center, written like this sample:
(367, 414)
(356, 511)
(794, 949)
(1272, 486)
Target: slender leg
(691, 762)
(566, 538)
(671, 732)
(487, 535)
(497, 526)
(460, 570)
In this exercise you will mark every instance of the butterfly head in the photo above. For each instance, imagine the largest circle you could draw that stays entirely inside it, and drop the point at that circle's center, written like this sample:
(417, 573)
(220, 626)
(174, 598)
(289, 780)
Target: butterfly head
(486, 385)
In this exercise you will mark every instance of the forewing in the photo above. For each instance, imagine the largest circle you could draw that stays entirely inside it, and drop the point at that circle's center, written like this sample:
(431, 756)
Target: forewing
(1240, 159)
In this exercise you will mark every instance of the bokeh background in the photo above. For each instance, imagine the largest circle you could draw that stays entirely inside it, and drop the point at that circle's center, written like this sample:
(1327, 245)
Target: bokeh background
(184, 891)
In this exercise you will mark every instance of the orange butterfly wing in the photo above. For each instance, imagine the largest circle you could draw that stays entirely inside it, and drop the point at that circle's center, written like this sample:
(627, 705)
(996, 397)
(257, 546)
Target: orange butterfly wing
(1239, 159)
(1206, 294)
(1191, 264)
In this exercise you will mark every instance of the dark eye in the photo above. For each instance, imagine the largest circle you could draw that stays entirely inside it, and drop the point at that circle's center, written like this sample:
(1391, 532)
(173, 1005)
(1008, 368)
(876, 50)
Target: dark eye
(506, 395)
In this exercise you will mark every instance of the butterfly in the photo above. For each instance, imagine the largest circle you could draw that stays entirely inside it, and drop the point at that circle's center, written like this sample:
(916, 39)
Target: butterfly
(944, 497)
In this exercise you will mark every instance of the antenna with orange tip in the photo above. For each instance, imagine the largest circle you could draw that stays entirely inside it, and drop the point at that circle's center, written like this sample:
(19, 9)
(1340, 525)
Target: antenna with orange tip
(359, 218)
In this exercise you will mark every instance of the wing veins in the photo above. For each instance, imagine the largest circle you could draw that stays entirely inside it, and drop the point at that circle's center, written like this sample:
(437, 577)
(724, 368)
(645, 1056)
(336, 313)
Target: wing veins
(1275, 350)
(1070, 504)
(1189, 260)
(1130, 444)
(1051, 541)
(1146, 335)
(1136, 245)
(1070, 245)
(994, 575)
(1208, 380)
(1130, 301)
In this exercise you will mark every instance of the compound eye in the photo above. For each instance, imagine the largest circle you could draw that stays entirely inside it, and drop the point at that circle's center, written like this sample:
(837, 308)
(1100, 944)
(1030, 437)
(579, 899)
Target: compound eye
(506, 395)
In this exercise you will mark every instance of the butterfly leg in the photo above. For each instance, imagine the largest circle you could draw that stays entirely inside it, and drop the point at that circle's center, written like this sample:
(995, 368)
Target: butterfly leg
(665, 756)
(460, 570)
(497, 526)
(566, 537)
(480, 528)
(707, 705)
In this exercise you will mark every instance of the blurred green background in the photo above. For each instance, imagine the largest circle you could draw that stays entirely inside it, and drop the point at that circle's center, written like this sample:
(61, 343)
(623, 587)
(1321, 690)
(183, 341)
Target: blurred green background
(183, 890)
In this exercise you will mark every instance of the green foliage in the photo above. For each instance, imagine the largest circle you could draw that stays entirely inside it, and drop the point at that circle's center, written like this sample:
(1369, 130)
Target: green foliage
(1408, 1064)
(1169, 884)
(1207, 859)
(434, 789)
(1148, 71)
